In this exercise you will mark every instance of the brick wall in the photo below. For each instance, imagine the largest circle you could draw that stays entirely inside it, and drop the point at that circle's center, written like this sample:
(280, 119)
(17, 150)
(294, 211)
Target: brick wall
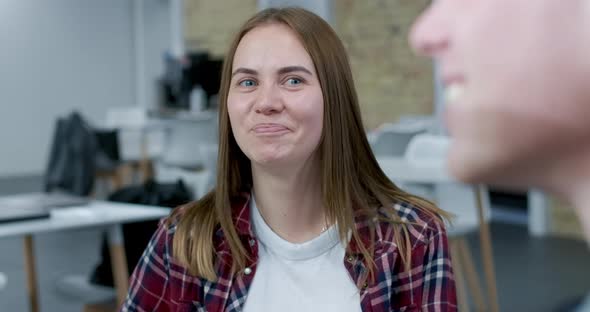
(211, 24)
(390, 80)
(564, 221)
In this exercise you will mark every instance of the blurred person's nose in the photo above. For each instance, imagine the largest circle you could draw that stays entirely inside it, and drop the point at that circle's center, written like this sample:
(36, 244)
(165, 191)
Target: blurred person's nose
(269, 100)
(429, 34)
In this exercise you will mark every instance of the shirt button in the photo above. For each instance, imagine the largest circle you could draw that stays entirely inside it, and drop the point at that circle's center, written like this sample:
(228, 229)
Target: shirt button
(252, 242)
(247, 271)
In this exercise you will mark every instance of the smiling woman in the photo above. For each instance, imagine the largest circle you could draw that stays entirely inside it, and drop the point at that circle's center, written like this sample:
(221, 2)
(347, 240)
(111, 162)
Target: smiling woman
(275, 101)
(302, 218)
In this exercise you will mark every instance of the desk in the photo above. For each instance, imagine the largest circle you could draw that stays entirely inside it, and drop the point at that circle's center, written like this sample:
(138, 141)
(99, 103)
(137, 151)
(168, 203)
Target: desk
(96, 214)
(399, 169)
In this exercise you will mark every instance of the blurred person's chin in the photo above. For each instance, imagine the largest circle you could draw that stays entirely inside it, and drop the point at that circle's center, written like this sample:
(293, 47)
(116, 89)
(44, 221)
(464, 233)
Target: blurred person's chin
(486, 163)
(498, 142)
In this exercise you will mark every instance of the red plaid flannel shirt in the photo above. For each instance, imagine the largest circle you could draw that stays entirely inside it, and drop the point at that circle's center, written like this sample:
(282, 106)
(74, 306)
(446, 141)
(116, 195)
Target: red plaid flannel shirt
(159, 283)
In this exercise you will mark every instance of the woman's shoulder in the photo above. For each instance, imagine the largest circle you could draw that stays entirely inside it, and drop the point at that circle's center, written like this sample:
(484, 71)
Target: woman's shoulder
(170, 223)
(420, 218)
(168, 226)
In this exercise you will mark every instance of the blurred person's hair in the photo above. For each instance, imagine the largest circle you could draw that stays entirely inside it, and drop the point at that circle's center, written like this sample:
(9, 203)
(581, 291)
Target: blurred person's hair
(353, 185)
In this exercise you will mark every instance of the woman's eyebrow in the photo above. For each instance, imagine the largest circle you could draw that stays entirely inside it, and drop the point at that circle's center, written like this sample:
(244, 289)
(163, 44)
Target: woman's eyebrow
(290, 69)
(243, 70)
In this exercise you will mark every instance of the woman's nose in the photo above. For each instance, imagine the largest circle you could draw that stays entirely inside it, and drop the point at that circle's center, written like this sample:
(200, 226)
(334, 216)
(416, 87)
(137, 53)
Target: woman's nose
(269, 101)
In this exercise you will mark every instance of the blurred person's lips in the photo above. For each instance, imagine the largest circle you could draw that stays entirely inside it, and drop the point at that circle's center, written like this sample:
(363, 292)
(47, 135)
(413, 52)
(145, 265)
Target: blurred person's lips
(270, 129)
(450, 79)
(454, 87)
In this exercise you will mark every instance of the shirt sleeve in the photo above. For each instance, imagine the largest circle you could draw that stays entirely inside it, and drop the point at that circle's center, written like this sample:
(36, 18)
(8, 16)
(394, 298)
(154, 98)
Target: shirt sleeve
(148, 287)
(438, 291)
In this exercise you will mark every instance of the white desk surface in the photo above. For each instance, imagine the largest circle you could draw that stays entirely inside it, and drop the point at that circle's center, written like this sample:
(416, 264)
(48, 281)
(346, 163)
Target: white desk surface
(96, 213)
(400, 170)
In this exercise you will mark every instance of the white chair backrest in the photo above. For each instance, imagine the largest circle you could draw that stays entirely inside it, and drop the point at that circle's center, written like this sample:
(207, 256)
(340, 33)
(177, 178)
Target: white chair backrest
(392, 139)
(427, 150)
(133, 131)
(184, 141)
(426, 122)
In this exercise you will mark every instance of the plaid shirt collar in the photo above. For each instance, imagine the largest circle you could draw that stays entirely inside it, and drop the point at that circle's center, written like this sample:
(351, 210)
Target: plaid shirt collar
(242, 221)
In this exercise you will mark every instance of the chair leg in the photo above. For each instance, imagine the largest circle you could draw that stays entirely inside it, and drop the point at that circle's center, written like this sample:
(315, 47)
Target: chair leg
(125, 172)
(486, 251)
(473, 280)
(145, 163)
(116, 180)
(146, 169)
(459, 276)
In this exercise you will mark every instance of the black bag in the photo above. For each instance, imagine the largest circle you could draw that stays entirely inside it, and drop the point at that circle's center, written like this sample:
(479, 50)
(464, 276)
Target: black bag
(77, 152)
(137, 235)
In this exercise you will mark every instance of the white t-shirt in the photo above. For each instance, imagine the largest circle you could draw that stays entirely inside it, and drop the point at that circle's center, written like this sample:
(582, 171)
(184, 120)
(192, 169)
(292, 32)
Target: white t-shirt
(300, 277)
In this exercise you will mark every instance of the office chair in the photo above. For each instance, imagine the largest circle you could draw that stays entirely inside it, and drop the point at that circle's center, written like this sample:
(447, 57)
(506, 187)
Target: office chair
(190, 154)
(392, 139)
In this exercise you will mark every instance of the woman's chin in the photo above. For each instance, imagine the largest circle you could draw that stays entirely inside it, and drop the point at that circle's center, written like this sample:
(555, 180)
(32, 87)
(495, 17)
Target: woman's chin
(269, 160)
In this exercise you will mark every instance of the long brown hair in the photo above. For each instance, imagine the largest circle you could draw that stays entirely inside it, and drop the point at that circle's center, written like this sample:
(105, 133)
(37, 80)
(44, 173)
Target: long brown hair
(352, 183)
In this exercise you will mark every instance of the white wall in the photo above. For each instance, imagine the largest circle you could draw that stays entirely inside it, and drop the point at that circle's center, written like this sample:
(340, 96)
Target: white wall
(61, 55)
(157, 41)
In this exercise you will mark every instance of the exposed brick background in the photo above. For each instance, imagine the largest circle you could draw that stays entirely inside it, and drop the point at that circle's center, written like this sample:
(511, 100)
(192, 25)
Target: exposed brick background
(390, 80)
(211, 24)
(564, 221)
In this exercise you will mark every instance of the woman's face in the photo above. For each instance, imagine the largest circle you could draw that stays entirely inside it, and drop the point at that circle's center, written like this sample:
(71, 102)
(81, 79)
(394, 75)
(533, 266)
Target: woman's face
(275, 102)
(517, 79)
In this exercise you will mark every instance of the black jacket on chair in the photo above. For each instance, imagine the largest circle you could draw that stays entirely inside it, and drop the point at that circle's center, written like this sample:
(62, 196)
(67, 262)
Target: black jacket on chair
(71, 165)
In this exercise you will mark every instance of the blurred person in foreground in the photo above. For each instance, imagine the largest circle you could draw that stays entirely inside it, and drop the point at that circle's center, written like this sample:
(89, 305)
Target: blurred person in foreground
(302, 218)
(517, 87)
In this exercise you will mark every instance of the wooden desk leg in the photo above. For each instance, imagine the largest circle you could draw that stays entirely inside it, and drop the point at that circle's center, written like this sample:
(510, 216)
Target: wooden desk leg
(31, 273)
(119, 262)
(486, 250)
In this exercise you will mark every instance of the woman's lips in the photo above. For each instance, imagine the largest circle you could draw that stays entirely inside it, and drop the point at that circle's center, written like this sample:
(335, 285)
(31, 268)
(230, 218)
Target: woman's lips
(270, 129)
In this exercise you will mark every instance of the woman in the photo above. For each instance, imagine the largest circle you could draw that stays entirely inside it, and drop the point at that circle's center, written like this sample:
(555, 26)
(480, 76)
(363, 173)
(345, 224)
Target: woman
(302, 218)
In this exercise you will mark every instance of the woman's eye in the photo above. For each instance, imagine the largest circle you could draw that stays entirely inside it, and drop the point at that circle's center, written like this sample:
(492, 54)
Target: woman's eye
(294, 81)
(247, 83)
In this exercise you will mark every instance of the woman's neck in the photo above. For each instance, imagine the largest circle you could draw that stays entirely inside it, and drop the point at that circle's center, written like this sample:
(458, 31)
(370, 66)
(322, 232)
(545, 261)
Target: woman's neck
(290, 200)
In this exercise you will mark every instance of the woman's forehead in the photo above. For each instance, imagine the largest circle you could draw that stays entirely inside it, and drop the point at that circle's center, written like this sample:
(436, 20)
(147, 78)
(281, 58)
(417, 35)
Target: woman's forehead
(272, 45)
